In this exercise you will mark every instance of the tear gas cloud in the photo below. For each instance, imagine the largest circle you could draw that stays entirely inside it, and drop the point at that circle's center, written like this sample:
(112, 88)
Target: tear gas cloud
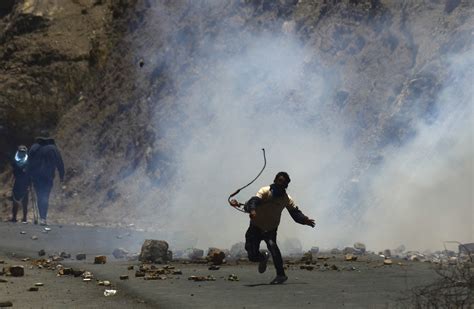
(254, 91)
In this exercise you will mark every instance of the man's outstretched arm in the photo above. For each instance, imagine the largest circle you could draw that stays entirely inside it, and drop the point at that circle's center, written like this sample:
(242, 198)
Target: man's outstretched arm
(298, 215)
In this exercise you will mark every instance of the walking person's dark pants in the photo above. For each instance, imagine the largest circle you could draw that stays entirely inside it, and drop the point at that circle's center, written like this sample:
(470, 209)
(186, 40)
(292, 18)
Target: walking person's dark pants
(43, 188)
(253, 237)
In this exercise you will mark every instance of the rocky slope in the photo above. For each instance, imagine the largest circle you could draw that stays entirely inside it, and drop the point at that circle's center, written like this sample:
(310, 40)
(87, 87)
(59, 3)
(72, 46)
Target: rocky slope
(107, 78)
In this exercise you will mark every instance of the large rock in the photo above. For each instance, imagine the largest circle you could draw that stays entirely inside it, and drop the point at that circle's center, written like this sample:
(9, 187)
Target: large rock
(216, 256)
(360, 247)
(467, 248)
(155, 251)
(120, 253)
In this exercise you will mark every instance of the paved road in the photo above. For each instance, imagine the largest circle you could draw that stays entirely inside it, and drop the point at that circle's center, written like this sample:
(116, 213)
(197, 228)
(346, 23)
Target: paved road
(370, 285)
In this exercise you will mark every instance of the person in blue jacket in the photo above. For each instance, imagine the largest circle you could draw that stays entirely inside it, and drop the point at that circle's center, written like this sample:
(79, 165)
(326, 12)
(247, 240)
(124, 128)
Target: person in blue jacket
(45, 158)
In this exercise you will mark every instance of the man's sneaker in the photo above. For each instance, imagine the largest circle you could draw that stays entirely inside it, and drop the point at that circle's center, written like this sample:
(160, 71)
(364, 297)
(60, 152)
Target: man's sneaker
(43, 222)
(24, 221)
(279, 279)
(262, 266)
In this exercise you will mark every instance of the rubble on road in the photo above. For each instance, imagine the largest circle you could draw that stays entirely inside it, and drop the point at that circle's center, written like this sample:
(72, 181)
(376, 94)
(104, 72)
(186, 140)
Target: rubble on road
(80, 256)
(233, 277)
(202, 278)
(100, 259)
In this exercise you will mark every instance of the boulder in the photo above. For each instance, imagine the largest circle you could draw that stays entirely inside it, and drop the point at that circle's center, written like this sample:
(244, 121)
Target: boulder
(100, 259)
(466, 248)
(216, 256)
(155, 251)
(17, 271)
(120, 253)
(360, 247)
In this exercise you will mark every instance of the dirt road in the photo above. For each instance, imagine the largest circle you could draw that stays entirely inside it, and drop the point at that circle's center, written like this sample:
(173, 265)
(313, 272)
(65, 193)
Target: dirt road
(364, 283)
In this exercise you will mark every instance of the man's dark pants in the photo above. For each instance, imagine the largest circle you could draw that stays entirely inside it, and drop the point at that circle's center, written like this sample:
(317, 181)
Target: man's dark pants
(253, 238)
(43, 188)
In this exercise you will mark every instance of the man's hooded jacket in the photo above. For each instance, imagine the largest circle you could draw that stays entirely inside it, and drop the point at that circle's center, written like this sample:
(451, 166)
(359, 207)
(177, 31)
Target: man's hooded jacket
(44, 159)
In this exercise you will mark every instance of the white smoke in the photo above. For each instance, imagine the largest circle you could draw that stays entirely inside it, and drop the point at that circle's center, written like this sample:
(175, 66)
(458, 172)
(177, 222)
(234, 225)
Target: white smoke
(267, 90)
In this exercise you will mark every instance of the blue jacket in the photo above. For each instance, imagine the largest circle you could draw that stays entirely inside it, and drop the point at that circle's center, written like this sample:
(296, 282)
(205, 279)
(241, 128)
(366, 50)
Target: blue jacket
(44, 158)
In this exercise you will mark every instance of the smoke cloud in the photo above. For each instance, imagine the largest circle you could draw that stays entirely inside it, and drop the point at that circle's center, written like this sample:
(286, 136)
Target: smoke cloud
(266, 90)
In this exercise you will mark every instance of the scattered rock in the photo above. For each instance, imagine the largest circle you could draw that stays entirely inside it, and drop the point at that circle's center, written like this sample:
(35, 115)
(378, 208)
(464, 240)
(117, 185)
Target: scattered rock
(22, 232)
(307, 267)
(110, 292)
(25, 259)
(2, 262)
(130, 267)
(104, 283)
(334, 267)
(17, 271)
(120, 253)
(359, 247)
(100, 259)
(233, 277)
(177, 272)
(466, 248)
(214, 267)
(3, 280)
(351, 257)
(155, 251)
(34, 237)
(314, 250)
(80, 256)
(124, 277)
(335, 251)
(387, 262)
(6, 304)
(41, 252)
(216, 256)
(33, 289)
(65, 255)
(139, 274)
(39, 284)
(202, 278)
(307, 258)
(77, 273)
